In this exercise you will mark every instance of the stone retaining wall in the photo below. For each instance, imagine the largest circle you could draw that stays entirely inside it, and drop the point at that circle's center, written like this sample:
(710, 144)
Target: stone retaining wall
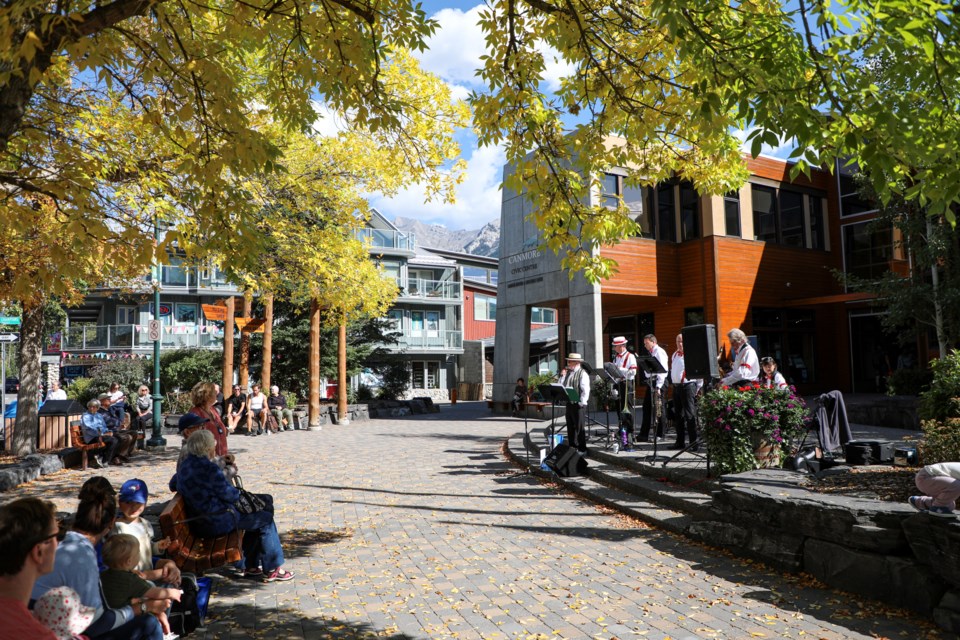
(883, 550)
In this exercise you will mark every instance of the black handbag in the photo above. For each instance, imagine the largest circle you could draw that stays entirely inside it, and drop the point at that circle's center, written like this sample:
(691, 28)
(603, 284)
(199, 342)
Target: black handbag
(248, 502)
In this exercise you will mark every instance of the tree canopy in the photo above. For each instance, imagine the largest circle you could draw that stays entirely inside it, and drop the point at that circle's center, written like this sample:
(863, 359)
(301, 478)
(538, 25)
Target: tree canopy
(675, 80)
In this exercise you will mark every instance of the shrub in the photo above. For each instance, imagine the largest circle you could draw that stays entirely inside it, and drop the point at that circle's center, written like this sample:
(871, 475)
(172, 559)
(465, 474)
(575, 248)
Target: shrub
(81, 390)
(183, 368)
(130, 373)
(941, 441)
(942, 399)
(737, 422)
(291, 399)
(909, 382)
(177, 402)
(535, 381)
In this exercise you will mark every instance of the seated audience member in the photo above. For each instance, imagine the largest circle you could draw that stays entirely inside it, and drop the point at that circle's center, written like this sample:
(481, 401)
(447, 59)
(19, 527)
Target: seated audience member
(133, 500)
(189, 423)
(941, 484)
(519, 395)
(769, 376)
(28, 537)
(114, 417)
(236, 408)
(256, 405)
(206, 492)
(278, 407)
(94, 428)
(75, 566)
(121, 585)
(55, 392)
(143, 405)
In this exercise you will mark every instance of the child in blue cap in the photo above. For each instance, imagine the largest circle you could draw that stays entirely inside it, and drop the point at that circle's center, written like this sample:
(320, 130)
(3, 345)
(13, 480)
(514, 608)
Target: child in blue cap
(132, 501)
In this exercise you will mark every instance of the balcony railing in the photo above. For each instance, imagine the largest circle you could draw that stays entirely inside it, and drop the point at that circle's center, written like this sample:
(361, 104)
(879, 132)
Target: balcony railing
(387, 239)
(431, 340)
(178, 278)
(442, 289)
(135, 337)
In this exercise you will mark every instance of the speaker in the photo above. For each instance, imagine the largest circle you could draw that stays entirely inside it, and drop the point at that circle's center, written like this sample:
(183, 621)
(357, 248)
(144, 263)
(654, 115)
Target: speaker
(700, 351)
(565, 461)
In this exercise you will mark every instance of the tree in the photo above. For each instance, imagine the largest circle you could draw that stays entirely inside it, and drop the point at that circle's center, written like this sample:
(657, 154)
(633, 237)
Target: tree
(673, 82)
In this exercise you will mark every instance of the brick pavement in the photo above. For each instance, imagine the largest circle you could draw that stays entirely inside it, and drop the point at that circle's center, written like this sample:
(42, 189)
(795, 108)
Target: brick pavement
(415, 527)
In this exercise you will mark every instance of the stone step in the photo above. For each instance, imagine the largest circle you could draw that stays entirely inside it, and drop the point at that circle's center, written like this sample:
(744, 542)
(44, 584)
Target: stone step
(667, 494)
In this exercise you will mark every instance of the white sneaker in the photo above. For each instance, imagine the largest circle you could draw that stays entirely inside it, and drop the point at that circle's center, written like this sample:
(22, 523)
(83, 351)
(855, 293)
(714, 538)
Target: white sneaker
(95, 463)
(170, 636)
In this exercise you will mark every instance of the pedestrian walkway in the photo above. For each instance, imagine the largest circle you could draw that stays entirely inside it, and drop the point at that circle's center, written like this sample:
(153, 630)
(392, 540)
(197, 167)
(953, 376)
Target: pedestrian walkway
(416, 528)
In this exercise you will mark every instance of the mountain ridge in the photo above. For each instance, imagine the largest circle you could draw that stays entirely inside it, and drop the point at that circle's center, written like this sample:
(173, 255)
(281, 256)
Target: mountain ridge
(484, 241)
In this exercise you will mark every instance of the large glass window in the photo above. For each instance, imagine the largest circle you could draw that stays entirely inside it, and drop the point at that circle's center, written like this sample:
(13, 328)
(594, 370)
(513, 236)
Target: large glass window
(867, 249)
(731, 213)
(543, 316)
(391, 271)
(816, 223)
(765, 213)
(426, 374)
(851, 202)
(666, 213)
(689, 212)
(611, 190)
(781, 216)
(789, 336)
(484, 307)
(791, 218)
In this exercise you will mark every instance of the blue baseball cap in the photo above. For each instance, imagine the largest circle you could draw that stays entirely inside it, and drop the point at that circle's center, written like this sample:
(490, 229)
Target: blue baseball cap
(189, 420)
(133, 490)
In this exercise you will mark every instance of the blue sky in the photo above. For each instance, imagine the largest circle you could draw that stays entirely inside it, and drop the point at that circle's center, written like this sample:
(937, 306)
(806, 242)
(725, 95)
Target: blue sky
(454, 55)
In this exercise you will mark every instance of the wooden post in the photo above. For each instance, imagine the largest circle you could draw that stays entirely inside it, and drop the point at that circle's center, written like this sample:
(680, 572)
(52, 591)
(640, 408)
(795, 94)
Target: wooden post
(313, 419)
(344, 417)
(267, 343)
(228, 325)
(245, 343)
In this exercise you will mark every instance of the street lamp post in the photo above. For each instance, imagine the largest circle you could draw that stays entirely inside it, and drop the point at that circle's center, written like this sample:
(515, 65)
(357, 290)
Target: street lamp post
(157, 439)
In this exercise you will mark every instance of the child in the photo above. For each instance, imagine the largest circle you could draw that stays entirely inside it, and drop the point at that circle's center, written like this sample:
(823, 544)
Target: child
(61, 611)
(941, 483)
(121, 586)
(133, 500)
(769, 376)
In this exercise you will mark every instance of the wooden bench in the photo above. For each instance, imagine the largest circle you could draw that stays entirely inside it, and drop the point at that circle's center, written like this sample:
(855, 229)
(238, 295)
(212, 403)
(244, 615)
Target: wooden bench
(193, 553)
(76, 440)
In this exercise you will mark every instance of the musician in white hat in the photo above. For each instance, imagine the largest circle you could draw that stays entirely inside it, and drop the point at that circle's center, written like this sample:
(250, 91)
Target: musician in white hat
(626, 362)
(576, 378)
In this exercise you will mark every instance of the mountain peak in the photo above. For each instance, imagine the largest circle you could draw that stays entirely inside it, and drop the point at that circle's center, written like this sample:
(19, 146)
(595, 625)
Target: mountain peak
(483, 242)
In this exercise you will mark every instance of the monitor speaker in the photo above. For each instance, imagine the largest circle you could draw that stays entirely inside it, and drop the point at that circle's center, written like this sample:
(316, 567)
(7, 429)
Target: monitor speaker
(700, 351)
(566, 462)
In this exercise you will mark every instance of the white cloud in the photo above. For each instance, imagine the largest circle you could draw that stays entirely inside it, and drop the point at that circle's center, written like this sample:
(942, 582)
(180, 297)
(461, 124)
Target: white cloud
(329, 123)
(478, 198)
(782, 151)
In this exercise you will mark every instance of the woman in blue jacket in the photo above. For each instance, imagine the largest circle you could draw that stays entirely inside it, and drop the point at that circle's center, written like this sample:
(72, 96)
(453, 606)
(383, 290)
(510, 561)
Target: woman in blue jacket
(206, 492)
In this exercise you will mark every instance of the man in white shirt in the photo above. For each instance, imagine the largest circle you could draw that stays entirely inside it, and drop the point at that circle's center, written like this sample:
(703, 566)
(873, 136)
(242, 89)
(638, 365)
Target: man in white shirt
(653, 402)
(746, 365)
(684, 398)
(576, 378)
(626, 363)
(55, 392)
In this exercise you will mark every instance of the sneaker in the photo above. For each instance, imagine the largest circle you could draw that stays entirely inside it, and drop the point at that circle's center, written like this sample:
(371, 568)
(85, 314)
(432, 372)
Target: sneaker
(95, 463)
(917, 503)
(171, 636)
(278, 575)
(940, 512)
(254, 574)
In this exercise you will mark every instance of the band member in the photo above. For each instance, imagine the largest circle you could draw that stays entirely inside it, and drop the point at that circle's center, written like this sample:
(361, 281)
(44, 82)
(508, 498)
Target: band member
(575, 377)
(653, 402)
(746, 367)
(626, 362)
(769, 376)
(684, 398)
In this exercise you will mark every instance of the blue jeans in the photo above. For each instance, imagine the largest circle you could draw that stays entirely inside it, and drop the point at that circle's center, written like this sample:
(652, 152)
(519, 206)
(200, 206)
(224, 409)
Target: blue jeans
(261, 542)
(145, 627)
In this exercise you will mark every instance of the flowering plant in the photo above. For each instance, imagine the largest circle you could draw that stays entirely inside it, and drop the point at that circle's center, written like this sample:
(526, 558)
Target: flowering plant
(737, 423)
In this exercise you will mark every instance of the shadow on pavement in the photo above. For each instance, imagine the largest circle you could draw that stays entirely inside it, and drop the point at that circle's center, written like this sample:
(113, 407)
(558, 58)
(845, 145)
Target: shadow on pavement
(591, 533)
(297, 543)
(492, 512)
(520, 492)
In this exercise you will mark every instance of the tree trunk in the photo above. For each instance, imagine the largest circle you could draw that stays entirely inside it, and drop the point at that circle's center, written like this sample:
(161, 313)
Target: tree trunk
(314, 355)
(228, 346)
(937, 305)
(245, 343)
(267, 343)
(344, 417)
(31, 347)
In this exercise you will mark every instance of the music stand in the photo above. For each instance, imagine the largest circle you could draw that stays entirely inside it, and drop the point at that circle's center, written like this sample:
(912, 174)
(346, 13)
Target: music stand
(612, 377)
(651, 367)
(557, 395)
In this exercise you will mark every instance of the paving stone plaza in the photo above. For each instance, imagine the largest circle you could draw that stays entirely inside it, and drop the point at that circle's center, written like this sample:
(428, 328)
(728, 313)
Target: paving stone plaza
(416, 527)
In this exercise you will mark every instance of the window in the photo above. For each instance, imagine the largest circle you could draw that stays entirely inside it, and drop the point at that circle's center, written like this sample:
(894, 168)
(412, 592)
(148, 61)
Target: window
(611, 191)
(731, 213)
(789, 336)
(783, 216)
(851, 202)
(867, 249)
(433, 323)
(126, 315)
(693, 315)
(426, 374)
(689, 212)
(484, 307)
(186, 313)
(666, 213)
(416, 323)
(613, 188)
(543, 316)
(391, 271)
(395, 320)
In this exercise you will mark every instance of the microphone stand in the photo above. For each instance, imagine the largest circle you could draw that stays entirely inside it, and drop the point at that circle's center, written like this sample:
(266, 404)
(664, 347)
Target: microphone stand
(652, 367)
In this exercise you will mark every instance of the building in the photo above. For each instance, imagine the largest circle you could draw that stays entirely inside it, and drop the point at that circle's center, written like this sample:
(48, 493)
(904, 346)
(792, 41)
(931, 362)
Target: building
(428, 313)
(763, 258)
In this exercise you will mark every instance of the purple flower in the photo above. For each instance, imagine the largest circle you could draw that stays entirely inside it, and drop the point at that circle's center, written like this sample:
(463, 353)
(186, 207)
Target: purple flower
(751, 412)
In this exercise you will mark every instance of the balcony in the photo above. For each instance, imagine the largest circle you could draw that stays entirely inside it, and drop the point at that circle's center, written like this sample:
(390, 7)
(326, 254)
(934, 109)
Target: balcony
(177, 278)
(387, 239)
(131, 337)
(445, 290)
(440, 341)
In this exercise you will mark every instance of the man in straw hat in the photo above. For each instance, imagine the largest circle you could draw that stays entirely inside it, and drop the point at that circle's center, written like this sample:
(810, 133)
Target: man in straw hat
(576, 378)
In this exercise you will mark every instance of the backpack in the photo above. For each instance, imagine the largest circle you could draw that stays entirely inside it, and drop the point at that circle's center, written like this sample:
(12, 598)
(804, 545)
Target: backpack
(185, 616)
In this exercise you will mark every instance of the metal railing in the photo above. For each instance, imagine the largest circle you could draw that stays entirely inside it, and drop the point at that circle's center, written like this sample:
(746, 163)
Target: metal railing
(387, 239)
(135, 337)
(443, 289)
(178, 278)
(431, 340)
